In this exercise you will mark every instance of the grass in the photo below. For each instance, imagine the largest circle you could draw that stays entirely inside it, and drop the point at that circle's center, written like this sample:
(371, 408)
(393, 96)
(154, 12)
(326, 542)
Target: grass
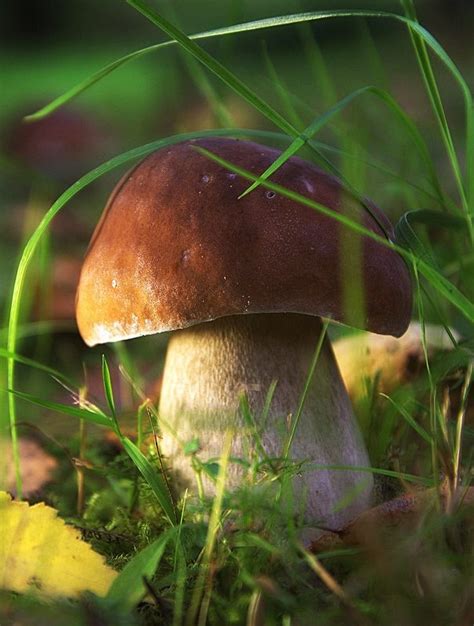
(239, 559)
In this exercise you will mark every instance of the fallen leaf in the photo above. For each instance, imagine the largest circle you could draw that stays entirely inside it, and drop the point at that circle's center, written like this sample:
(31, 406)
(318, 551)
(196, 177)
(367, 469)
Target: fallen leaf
(40, 553)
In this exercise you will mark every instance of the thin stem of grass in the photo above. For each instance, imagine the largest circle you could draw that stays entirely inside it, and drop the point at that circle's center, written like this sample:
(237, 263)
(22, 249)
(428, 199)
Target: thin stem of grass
(281, 90)
(304, 395)
(409, 419)
(82, 454)
(213, 528)
(180, 588)
(250, 422)
(331, 583)
(265, 23)
(460, 423)
(434, 95)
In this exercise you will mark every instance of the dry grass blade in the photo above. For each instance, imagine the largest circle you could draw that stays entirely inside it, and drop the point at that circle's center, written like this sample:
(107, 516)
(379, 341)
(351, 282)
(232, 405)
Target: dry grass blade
(334, 587)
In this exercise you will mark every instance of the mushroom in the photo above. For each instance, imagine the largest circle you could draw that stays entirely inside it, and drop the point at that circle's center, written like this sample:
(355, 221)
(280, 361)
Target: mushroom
(60, 146)
(244, 284)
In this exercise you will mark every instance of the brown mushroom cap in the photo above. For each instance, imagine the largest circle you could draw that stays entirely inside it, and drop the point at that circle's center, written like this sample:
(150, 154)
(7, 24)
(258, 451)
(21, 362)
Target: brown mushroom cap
(175, 247)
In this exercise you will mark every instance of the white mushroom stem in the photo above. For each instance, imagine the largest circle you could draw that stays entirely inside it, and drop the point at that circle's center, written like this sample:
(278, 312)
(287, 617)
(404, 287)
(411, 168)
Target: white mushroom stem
(207, 368)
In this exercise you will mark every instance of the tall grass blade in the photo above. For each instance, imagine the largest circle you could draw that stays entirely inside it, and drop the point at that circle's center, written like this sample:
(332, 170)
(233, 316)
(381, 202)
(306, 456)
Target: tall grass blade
(205, 86)
(323, 119)
(198, 607)
(107, 382)
(409, 419)
(281, 90)
(251, 424)
(274, 22)
(213, 65)
(98, 418)
(304, 394)
(406, 236)
(154, 479)
(148, 471)
(330, 582)
(403, 476)
(321, 76)
(37, 365)
(457, 447)
(434, 95)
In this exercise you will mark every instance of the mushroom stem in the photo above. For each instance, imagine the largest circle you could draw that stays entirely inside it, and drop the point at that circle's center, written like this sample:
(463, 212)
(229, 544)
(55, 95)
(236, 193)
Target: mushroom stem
(210, 365)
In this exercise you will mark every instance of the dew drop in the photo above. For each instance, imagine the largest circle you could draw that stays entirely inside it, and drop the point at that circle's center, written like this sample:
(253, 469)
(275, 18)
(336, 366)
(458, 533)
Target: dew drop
(114, 283)
(308, 185)
(205, 178)
(231, 175)
(270, 194)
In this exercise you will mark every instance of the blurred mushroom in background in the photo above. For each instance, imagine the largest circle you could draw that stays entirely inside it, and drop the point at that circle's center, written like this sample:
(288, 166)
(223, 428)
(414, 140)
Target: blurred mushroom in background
(61, 146)
(383, 363)
(49, 154)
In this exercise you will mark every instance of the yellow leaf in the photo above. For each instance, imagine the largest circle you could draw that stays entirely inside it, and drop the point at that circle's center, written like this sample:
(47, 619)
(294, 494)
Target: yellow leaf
(39, 552)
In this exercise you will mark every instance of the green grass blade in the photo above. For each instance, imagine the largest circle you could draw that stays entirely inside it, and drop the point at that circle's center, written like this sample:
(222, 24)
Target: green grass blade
(274, 22)
(321, 75)
(470, 159)
(196, 603)
(429, 217)
(108, 390)
(128, 589)
(319, 122)
(406, 236)
(268, 402)
(37, 365)
(281, 90)
(409, 419)
(41, 327)
(434, 95)
(368, 162)
(228, 77)
(220, 111)
(205, 86)
(298, 18)
(98, 418)
(154, 479)
(437, 280)
(304, 395)
(251, 424)
(411, 478)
